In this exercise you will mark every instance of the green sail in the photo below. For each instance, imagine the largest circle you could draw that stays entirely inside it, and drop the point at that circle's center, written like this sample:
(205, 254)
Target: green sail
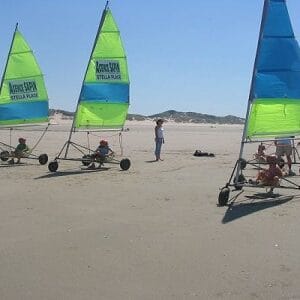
(23, 95)
(104, 97)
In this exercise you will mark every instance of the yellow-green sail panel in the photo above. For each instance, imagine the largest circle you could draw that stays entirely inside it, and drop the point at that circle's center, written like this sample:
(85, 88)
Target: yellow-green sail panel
(276, 117)
(23, 95)
(104, 97)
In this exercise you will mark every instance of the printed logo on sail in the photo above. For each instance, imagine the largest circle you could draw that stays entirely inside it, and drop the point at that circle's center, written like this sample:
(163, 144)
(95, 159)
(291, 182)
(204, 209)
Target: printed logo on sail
(23, 89)
(108, 70)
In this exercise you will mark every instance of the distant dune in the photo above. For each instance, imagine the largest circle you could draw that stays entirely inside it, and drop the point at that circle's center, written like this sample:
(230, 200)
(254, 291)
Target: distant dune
(170, 115)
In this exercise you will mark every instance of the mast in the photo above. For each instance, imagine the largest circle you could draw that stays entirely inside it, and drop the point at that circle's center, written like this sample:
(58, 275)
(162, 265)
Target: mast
(6, 64)
(251, 93)
(93, 48)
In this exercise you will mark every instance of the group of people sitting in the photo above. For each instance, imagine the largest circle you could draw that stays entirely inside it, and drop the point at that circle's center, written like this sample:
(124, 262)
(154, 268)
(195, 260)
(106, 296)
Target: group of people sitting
(102, 152)
(270, 176)
(276, 169)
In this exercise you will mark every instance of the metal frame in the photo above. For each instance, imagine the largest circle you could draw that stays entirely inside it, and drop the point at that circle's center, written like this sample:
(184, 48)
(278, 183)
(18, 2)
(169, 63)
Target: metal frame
(238, 185)
(9, 148)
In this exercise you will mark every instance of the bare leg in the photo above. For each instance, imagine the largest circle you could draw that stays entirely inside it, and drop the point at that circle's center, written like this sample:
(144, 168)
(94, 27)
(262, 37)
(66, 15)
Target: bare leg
(289, 161)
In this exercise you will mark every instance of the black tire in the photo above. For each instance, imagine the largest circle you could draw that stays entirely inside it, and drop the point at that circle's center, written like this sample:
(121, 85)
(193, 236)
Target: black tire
(53, 166)
(241, 179)
(125, 164)
(4, 155)
(43, 159)
(224, 196)
(86, 159)
(243, 163)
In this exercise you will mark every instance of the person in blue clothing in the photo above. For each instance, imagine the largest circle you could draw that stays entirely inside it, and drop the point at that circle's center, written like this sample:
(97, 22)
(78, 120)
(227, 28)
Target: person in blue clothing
(102, 152)
(159, 138)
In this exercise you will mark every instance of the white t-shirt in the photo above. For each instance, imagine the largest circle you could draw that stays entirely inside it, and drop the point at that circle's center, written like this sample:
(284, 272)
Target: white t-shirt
(160, 132)
(283, 141)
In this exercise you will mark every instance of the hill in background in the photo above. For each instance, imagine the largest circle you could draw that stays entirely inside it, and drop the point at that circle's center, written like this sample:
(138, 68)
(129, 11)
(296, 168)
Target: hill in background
(170, 115)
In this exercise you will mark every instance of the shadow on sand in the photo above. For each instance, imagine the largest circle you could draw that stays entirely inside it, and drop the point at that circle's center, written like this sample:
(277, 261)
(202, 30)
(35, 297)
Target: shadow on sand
(7, 165)
(70, 173)
(151, 161)
(260, 201)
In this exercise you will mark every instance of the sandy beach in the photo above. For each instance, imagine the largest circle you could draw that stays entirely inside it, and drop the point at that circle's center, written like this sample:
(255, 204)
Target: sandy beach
(152, 232)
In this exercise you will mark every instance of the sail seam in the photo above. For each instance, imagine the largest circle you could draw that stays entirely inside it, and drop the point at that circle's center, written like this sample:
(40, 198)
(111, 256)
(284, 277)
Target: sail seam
(278, 37)
(22, 52)
(276, 70)
(27, 77)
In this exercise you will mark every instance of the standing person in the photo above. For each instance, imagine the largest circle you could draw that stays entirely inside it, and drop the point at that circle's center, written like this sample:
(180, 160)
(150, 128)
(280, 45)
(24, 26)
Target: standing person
(284, 147)
(159, 138)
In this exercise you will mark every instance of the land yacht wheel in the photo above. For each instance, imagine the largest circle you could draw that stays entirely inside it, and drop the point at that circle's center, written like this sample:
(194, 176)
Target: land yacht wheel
(224, 196)
(86, 159)
(43, 159)
(4, 155)
(125, 164)
(238, 182)
(53, 166)
(243, 163)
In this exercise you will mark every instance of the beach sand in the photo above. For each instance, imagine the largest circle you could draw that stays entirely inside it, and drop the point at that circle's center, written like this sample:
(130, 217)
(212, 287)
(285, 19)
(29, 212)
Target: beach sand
(152, 232)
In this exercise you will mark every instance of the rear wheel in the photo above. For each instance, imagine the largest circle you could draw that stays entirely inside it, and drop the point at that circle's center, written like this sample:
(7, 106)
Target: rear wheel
(86, 159)
(243, 163)
(4, 155)
(238, 182)
(223, 196)
(43, 159)
(125, 164)
(53, 166)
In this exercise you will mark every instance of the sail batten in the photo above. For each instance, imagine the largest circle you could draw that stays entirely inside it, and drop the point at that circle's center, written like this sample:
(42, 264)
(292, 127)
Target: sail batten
(23, 95)
(104, 96)
(275, 101)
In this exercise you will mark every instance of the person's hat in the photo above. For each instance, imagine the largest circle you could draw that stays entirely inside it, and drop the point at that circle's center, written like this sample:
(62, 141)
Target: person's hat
(103, 142)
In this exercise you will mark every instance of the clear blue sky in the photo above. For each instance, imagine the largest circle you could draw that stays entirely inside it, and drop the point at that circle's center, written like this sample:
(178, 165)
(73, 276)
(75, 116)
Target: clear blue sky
(194, 55)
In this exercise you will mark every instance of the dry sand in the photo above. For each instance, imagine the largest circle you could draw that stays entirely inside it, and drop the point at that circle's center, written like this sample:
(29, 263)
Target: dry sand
(153, 232)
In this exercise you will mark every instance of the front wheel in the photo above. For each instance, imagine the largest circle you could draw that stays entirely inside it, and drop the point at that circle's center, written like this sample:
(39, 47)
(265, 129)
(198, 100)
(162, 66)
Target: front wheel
(125, 164)
(53, 166)
(223, 196)
(43, 159)
(86, 159)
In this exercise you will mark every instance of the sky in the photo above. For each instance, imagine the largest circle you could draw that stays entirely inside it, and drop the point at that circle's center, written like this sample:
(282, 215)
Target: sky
(194, 55)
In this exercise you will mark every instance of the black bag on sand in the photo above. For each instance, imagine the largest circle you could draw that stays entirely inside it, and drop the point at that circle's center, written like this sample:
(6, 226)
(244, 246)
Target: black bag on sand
(200, 153)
